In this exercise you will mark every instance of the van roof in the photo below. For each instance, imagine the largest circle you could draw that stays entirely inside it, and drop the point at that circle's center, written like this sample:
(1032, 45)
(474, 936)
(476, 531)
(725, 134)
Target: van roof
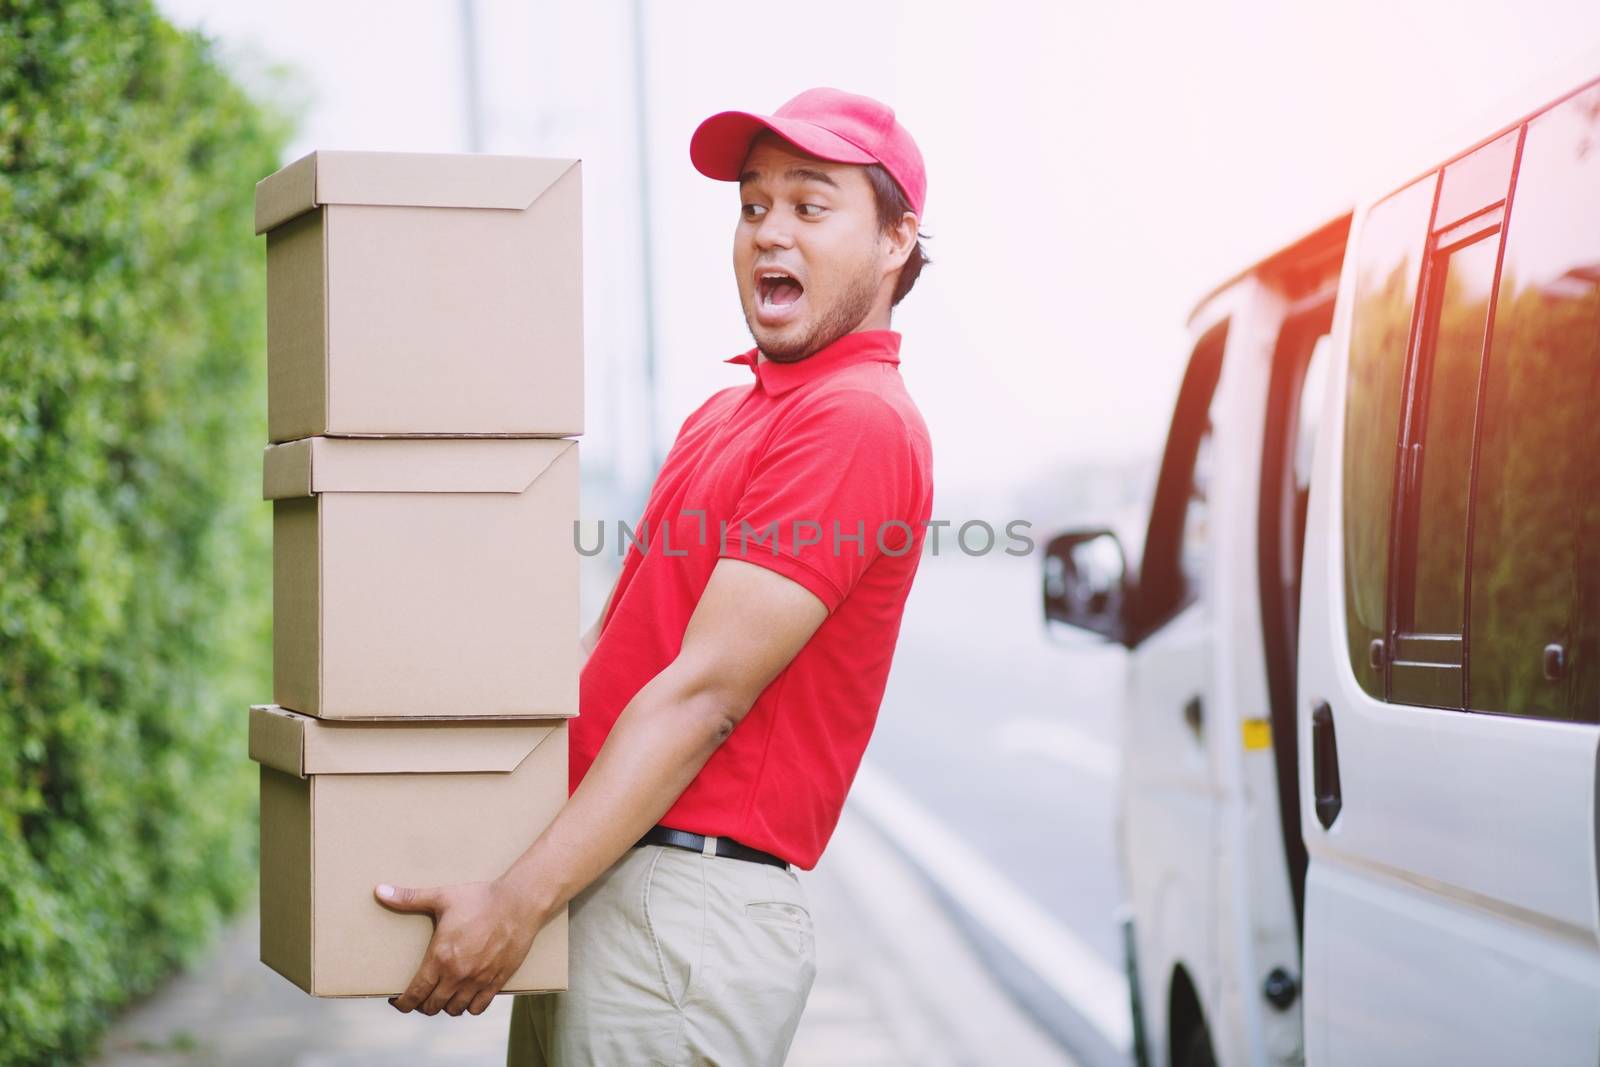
(1515, 108)
(1518, 107)
(1332, 232)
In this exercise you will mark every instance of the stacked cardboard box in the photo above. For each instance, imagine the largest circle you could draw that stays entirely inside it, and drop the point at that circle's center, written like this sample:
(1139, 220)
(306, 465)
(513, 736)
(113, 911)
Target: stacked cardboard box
(425, 364)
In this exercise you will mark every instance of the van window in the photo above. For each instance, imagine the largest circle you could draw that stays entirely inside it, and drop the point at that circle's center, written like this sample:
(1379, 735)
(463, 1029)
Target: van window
(1171, 571)
(1441, 458)
(1388, 265)
(1197, 512)
(1534, 612)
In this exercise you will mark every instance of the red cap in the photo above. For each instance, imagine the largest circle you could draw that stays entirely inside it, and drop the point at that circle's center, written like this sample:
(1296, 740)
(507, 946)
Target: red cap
(826, 123)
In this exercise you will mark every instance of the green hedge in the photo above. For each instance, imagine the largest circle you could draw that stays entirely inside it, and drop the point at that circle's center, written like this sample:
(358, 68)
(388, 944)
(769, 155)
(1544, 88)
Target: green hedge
(134, 555)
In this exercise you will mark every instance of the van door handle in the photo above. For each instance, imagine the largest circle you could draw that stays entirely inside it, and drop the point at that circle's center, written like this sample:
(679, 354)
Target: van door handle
(1325, 765)
(1194, 715)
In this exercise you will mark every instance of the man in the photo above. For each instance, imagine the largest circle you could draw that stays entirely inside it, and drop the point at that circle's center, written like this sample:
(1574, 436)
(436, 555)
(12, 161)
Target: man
(735, 673)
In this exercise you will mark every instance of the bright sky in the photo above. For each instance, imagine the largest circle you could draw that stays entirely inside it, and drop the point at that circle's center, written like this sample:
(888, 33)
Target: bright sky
(1093, 169)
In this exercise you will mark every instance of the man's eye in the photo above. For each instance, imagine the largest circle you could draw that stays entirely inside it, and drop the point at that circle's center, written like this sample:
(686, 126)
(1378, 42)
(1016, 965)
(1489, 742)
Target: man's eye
(810, 211)
(753, 211)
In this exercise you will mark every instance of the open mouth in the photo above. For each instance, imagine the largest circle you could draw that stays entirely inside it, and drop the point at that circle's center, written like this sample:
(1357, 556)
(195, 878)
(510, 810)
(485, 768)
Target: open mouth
(776, 289)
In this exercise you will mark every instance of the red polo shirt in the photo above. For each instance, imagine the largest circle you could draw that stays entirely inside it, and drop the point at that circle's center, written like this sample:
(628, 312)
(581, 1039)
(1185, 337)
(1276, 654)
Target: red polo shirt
(822, 471)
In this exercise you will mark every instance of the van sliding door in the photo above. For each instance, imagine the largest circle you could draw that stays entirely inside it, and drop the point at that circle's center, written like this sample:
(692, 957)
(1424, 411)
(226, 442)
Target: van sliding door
(1450, 646)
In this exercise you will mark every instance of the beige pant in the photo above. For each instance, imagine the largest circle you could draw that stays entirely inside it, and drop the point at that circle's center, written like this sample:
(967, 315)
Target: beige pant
(678, 958)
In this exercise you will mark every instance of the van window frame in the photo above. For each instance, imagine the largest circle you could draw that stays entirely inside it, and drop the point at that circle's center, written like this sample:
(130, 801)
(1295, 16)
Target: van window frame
(1412, 655)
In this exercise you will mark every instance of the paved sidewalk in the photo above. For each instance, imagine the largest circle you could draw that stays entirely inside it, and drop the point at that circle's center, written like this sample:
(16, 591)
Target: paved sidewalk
(897, 986)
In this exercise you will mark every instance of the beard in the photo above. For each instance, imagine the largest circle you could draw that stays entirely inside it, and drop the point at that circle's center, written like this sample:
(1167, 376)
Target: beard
(832, 322)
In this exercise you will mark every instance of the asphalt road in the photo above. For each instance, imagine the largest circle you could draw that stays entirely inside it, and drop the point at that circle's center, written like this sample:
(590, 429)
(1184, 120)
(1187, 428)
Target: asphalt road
(1009, 737)
(1006, 738)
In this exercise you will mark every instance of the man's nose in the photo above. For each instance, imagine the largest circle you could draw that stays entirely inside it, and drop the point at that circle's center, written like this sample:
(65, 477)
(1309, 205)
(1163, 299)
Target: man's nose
(773, 231)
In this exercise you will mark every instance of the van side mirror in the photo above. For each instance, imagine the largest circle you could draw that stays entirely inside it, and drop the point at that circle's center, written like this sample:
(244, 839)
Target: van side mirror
(1086, 582)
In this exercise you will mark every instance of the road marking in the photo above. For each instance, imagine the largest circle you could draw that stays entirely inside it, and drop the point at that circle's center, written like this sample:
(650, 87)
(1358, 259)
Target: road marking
(1060, 743)
(1075, 972)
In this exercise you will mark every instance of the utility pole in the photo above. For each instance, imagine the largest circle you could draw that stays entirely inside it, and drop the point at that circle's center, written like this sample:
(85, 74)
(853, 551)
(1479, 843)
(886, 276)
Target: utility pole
(469, 68)
(647, 289)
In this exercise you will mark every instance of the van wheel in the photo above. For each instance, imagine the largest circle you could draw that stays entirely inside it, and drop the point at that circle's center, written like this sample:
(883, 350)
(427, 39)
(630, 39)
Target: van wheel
(1193, 1049)
(1189, 1043)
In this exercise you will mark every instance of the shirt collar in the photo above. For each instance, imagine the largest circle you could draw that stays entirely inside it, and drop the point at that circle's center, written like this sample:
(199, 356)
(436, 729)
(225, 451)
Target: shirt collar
(860, 347)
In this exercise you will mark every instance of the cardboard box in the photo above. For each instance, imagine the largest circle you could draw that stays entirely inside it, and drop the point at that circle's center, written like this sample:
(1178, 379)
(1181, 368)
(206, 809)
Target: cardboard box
(423, 294)
(346, 806)
(424, 577)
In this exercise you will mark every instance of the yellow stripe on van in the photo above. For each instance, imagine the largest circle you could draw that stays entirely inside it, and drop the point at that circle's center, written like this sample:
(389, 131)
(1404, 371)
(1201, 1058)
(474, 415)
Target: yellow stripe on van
(1257, 734)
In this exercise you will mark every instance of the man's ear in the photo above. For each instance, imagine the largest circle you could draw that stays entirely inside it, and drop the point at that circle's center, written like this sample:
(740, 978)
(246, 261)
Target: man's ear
(899, 240)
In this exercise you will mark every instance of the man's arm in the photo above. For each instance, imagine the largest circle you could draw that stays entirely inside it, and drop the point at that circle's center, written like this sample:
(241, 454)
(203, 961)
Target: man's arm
(749, 623)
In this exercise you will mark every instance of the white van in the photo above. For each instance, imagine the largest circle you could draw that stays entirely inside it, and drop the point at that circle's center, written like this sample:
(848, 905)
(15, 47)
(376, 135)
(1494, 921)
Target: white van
(1359, 803)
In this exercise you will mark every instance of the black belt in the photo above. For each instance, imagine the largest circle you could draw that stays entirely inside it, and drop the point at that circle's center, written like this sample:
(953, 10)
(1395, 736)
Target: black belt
(726, 846)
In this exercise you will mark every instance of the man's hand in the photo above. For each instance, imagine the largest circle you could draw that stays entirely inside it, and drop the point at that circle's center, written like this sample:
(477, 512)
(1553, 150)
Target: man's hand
(481, 934)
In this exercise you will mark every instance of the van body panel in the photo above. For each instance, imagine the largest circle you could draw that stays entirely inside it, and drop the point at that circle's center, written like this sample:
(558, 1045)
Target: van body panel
(1168, 811)
(1202, 840)
(1451, 908)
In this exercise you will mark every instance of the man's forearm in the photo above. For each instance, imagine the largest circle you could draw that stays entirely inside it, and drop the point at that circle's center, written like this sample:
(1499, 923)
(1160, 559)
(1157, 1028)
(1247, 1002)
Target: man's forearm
(663, 737)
